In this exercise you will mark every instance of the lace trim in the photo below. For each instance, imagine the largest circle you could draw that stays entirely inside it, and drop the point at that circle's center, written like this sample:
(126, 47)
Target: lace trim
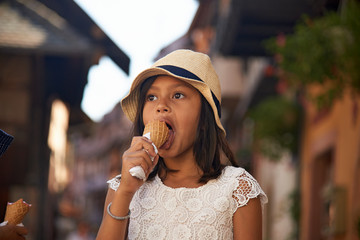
(247, 188)
(114, 183)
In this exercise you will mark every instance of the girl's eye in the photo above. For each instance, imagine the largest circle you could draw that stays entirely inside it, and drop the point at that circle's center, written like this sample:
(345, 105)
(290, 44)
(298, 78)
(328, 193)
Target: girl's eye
(178, 95)
(151, 98)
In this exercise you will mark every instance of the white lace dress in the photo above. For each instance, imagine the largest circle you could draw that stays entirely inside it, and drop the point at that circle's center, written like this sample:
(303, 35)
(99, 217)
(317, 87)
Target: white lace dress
(160, 212)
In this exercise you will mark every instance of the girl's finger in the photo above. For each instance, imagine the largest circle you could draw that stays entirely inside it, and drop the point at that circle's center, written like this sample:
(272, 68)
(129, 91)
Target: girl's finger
(139, 143)
(137, 158)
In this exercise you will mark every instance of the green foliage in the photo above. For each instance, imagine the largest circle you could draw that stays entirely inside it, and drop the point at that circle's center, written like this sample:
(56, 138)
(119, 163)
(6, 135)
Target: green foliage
(276, 126)
(325, 50)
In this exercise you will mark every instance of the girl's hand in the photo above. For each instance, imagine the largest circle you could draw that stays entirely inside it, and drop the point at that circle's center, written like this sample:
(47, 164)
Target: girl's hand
(139, 154)
(13, 232)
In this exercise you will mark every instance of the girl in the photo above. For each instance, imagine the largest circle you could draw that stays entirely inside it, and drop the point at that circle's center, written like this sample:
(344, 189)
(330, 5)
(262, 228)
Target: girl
(191, 192)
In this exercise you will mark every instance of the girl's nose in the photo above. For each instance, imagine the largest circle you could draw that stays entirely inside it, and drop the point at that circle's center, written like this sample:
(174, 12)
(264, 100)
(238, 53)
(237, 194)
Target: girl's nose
(162, 108)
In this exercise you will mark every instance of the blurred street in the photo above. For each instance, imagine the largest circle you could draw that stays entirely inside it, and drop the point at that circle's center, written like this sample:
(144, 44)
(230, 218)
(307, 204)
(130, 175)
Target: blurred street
(290, 107)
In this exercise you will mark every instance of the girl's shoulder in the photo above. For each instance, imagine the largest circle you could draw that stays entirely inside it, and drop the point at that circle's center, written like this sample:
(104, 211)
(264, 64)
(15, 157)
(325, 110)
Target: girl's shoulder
(245, 186)
(229, 173)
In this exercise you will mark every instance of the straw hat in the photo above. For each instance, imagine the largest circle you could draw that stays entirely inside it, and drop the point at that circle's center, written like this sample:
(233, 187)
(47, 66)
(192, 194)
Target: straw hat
(191, 67)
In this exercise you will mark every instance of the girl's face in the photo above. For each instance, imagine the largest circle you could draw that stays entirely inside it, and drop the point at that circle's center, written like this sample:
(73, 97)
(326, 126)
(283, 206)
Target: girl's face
(178, 104)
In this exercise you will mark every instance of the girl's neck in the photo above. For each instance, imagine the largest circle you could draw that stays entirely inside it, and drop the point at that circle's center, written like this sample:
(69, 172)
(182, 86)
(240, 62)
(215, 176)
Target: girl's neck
(181, 179)
(185, 164)
(187, 173)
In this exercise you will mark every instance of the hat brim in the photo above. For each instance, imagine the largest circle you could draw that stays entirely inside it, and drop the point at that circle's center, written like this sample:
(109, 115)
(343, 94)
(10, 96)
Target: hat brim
(130, 102)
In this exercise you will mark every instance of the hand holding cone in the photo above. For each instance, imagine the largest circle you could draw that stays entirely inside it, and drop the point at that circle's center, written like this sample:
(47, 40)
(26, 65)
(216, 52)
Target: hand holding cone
(15, 212)
(158, 133)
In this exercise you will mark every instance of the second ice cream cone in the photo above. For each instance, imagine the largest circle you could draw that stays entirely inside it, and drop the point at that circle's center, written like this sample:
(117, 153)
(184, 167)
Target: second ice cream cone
(15, 212)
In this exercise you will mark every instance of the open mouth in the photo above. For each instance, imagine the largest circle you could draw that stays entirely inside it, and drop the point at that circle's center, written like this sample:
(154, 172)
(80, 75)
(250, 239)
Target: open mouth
(170, 139)
(168, 125)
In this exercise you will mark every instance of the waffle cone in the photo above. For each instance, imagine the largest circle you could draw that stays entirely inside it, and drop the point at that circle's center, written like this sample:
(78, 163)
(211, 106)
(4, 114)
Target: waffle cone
(15, 212)
(159, 132)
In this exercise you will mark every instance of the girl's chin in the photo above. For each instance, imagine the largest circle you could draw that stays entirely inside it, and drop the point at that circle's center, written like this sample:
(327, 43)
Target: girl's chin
(163, 153)
(167, 153)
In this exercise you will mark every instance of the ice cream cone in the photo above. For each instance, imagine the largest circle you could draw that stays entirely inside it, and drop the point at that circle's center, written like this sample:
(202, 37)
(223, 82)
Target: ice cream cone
(15, 212)
(159, 132)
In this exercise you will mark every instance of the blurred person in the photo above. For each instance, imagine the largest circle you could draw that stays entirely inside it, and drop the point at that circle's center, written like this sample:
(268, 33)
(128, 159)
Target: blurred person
(5, 141)
(192, 187)
(9, 231)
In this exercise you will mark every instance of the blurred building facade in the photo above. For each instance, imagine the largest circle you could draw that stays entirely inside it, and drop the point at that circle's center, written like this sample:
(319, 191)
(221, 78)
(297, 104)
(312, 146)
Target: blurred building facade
(46, 50)
(330, 167)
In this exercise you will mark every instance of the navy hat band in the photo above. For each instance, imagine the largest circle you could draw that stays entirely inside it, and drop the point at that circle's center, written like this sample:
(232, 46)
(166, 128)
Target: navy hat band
(181, 72)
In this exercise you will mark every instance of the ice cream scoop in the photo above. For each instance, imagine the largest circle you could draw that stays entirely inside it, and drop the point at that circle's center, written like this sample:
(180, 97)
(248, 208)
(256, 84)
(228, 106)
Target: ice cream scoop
(15, 212)
(158, 133)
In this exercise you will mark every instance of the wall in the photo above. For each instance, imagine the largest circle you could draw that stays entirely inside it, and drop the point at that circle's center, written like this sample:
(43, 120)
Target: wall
(330, 169)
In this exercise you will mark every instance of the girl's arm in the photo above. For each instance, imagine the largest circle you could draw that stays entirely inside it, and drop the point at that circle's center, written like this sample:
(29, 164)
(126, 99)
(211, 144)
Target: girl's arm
(247, 221)
(111, 228)
(114, 229)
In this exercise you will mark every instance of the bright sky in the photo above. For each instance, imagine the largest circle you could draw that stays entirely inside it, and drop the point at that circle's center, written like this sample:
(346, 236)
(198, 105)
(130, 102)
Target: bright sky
(141, 28)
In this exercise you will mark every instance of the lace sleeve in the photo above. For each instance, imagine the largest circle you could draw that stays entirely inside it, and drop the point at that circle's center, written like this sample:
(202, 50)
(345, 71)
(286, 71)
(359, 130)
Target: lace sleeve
(114, 182)
(247, 188)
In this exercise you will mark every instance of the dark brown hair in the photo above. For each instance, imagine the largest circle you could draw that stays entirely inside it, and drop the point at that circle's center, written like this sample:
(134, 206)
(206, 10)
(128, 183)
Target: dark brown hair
(209, 144)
